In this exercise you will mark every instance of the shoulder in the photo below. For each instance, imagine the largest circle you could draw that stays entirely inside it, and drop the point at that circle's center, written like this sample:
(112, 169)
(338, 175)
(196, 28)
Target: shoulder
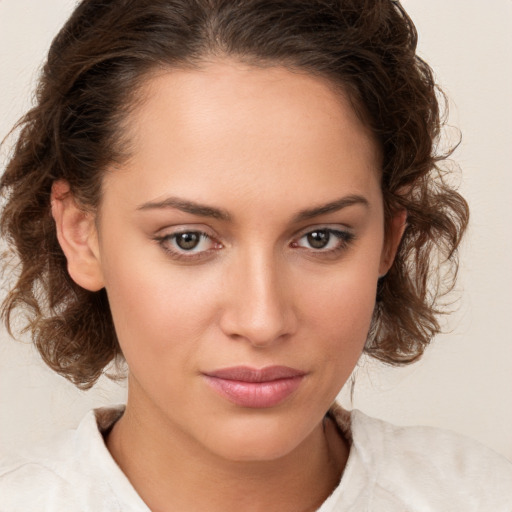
(72, 471)
(428, 468)
(44, 477)
(32, 484)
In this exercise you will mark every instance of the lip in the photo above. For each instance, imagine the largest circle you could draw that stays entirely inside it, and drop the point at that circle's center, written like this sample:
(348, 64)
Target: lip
(255, 388)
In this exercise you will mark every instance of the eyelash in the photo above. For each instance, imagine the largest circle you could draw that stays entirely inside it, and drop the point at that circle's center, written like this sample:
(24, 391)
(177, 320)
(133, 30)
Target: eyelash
(345, 238)
(188, 256)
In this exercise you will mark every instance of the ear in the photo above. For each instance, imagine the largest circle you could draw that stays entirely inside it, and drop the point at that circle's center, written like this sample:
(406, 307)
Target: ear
(78, 238)
(394, 232)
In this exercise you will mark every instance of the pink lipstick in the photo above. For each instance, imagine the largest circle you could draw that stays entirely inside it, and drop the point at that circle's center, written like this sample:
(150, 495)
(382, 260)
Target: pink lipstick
(249, 387)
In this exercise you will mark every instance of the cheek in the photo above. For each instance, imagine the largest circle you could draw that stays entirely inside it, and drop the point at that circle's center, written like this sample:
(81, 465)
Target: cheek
(340, 307)
(345, 311)
(156, 305)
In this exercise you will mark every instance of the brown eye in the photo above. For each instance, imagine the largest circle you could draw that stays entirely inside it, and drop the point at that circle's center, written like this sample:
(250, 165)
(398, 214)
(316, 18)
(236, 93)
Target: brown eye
(325, 240)
(189, 246)
(187, 241)
(318, 239)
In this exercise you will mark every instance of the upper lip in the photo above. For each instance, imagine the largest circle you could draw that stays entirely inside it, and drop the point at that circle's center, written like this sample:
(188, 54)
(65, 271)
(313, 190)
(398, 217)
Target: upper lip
(248, 374)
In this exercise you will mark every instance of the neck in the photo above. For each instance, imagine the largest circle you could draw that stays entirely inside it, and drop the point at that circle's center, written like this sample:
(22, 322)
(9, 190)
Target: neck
(172, 472)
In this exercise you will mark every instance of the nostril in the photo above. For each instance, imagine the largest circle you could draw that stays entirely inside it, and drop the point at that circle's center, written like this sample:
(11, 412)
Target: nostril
(259, 305)
(258, 325)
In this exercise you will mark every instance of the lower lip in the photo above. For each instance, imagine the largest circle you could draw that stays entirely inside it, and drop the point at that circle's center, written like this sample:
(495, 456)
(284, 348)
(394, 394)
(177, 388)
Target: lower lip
(255, 394)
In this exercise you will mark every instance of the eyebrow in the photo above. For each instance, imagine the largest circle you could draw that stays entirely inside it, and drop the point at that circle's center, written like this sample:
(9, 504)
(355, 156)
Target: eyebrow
(187, 207)
(220, 214)
(331, 207)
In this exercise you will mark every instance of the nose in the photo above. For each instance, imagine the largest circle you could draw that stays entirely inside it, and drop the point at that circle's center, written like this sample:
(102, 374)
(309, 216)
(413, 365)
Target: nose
(258, 306)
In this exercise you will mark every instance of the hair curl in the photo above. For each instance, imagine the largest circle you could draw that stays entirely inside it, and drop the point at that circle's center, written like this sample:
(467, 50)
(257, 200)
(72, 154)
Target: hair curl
(89, 82)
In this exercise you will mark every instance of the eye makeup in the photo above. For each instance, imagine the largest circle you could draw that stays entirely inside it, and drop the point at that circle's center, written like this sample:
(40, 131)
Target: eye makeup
(192, 245)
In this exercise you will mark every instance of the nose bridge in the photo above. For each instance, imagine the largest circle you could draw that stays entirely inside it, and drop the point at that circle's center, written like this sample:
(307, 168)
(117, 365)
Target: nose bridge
(259, 308)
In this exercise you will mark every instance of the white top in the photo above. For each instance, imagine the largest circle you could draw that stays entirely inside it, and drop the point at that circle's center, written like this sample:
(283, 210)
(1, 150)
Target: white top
(390, 469)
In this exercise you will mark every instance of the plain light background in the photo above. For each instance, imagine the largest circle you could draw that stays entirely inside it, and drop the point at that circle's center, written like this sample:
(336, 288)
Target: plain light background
(464, 382)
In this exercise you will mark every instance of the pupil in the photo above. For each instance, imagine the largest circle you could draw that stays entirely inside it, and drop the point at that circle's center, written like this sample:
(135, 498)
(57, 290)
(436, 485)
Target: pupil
(187, 241)
(318, 239)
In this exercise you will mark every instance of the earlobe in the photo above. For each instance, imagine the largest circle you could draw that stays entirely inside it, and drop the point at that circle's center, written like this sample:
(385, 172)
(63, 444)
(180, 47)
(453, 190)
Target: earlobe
(395, 230)
(78, 238)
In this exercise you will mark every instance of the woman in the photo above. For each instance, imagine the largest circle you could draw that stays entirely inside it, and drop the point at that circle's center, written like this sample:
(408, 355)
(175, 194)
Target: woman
(238, 199)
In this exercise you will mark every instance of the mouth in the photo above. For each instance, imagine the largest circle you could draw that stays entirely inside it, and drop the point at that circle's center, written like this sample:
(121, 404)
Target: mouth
(255, 388)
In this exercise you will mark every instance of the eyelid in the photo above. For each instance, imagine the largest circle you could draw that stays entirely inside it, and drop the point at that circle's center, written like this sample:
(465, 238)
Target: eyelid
(344, 235)
(327, 227)
(169, 232)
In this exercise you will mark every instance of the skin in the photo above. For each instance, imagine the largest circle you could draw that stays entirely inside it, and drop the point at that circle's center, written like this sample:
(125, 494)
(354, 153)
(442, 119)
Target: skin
(261, 145)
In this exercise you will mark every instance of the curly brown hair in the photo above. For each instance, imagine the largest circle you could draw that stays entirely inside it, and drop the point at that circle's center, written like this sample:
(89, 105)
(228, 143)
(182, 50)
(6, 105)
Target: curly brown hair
(89, 83)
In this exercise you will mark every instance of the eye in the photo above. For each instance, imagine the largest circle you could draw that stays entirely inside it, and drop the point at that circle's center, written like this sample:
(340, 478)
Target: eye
(187, 244)
(324, 240)
(189, 241)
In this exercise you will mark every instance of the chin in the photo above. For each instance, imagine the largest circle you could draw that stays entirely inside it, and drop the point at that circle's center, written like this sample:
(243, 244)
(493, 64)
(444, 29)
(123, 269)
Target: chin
(261, 449)
(257, 439)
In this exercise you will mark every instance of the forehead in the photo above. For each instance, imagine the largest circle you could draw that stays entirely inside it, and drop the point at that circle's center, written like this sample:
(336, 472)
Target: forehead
(258, 130)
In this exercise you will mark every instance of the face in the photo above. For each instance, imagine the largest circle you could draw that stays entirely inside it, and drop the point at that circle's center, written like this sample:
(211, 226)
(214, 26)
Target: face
(240, 247)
